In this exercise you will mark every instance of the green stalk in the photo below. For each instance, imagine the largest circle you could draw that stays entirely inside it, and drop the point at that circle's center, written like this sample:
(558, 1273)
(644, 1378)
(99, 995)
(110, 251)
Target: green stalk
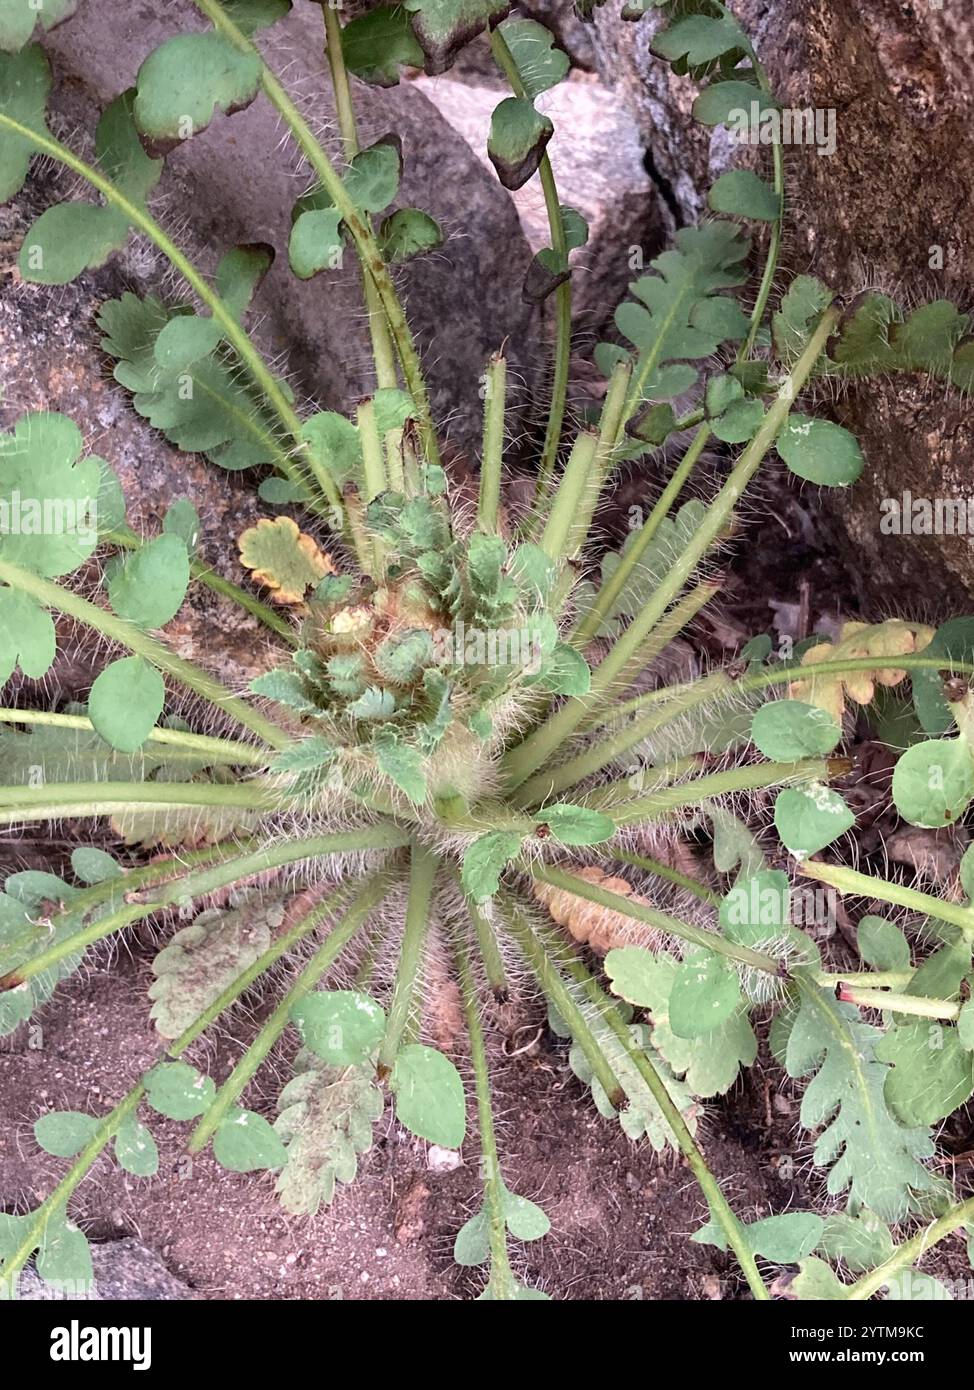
(865, 886)
(373, 465)
(52, 595)
(913, 1004)
(650, 916)
(383, 351)
(912, 1250)
(783, 675)
(422, 872)
(540, 746)
(550, 980)
(53, 1205)
(233, 332)
(580, 470)
(683, 697)
(671, 875)
(489, 949)
(203, 882)
(105, 798)
(223, 750)
(502, 1282)
(733, 779)
(364, 903)
(546, 784)
(366, 245)
(720, 1208)
(495, 401)
(128, 540)
(563, 294)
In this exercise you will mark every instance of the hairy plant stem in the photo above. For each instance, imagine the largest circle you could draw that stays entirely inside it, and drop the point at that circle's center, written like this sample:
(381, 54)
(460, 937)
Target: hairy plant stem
(916, 1005)
(549, 978)
(489, 949)
(114, 798)
(866, 886)
(720, 1208)
(369, 252)
(128, 540)
(383, 351)
(670, 875)
(495, 402)
(733, 779)
(365, 901)
(237, 337)
(580, 472)
(422, 872)
(520, 762)
(52, 595)
(661, 921)
(912, 1250)
(223, 750)
(504, 59)
(502, 1283)
(201, 883)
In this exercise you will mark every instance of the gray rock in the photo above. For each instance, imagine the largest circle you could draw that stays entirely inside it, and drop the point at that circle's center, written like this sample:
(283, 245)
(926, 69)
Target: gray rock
(899, 185)
(123, 1269)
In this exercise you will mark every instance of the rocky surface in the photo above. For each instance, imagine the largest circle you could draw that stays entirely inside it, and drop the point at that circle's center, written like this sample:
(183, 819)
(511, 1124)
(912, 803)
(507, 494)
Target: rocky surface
(889, 209)
(123, 1269)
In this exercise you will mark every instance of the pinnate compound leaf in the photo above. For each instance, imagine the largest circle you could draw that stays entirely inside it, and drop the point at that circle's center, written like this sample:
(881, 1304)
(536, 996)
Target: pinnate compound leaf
(283, 558)
(25, 83)
(869, 1154)
(377, 44)
(326, 1118)
(149, 586)
(126, 701)
(186, 80)
(204, 958)
(485, 860)
(430, 1100)
(518, 137)
(76, 236)
(710, 1062)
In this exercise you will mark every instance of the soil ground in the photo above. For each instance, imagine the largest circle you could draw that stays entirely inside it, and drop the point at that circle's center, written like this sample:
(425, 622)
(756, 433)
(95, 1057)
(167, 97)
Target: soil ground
(621, 1216)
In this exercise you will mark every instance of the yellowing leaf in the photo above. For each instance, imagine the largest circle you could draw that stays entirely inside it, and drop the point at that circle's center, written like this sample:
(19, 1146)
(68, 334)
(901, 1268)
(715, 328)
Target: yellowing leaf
(283, 558)
(830, 692)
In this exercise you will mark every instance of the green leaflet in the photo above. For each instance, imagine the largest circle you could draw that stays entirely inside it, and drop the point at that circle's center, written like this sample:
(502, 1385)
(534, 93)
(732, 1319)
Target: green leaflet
(933, 782)
(149, 586)
(820, 451)
(377, 44)
(783, 1239)
(126, 701)
(524, 1220)
(51, 494)
(430, 1100)
(741, 193)
(518, 137)
(246, 1143)
(201, 408)
(408, 232)
(326, 1118)
(672, 538)
(442, 27)
(27, 636)
(19, 19)
(862, 1241)
(931, 1074)
(485, 860)
(178, 1091)
(540, 64)
(867, 1152)
(187, 338)
(72, 237)
(183, 82)
(709, 1062)
(25, 82)
(201, 960)
(809, 818)
(680, 315)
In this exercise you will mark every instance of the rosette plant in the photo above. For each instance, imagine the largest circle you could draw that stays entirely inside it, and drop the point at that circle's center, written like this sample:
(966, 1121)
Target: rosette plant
(460, 745)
